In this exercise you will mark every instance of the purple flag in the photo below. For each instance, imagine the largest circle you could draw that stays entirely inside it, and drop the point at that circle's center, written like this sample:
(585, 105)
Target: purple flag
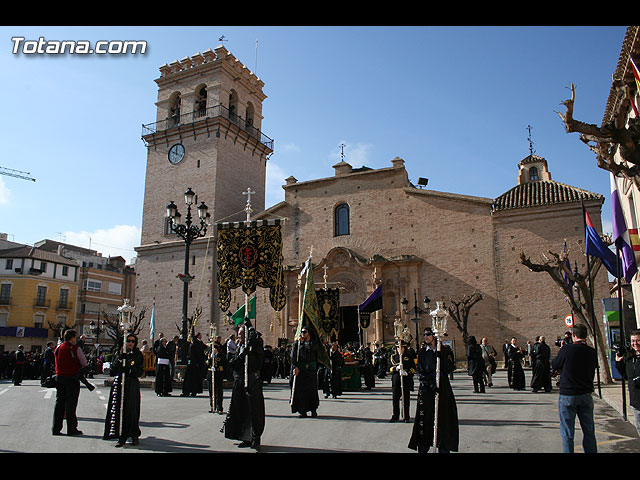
(621, 234)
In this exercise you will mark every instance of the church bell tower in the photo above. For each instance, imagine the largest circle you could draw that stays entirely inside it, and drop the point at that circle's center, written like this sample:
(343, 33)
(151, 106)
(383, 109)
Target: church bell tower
(206, 137)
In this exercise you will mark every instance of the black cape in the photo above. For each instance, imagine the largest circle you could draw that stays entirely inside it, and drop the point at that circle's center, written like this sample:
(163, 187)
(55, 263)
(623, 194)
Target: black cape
(423, 426)
(246, 416)
(131, 372)
(304, 386)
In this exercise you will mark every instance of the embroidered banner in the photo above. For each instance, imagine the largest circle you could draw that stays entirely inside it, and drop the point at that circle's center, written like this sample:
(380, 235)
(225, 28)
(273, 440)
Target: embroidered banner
(329, 305)
(250, 256)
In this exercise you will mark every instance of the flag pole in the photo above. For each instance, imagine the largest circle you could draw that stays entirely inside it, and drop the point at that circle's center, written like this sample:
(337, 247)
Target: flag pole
(248, 211)
(622, 335)
(595, 337)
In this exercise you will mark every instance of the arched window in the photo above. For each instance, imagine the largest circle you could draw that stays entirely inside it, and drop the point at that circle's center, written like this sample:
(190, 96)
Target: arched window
(174, 110)
(533, 174)
(249, 115)
(341, 219)
(233, 106)
(200, 106)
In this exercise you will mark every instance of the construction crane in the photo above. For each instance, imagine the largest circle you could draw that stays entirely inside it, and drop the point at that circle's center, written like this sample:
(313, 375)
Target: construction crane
(16, 173)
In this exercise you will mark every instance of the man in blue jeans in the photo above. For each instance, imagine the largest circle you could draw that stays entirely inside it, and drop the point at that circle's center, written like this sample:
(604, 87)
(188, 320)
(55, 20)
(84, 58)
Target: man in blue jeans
(577, 364)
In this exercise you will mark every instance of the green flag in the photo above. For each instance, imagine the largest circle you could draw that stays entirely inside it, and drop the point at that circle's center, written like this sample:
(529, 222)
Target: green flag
(238, 317)
(311, 318)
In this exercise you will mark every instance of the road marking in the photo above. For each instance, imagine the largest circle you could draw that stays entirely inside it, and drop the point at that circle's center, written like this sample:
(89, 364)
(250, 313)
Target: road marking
(2, 391)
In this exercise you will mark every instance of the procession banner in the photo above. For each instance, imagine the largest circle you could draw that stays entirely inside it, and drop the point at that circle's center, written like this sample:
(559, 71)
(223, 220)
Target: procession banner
(250, 256)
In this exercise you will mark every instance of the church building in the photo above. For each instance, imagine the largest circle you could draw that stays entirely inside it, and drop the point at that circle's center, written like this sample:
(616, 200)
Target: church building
(362, 227)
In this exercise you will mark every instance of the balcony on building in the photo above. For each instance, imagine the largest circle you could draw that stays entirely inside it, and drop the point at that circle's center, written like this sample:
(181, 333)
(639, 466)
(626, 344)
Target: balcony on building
(208, 120)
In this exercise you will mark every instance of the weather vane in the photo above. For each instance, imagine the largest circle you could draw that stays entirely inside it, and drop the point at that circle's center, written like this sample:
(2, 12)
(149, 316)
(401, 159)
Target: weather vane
(342, 145)
(531, 150)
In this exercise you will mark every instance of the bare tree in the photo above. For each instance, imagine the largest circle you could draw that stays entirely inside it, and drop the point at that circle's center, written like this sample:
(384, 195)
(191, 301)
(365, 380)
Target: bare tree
(459, 311)
(611, 137)
(558, 268)
(114, 331)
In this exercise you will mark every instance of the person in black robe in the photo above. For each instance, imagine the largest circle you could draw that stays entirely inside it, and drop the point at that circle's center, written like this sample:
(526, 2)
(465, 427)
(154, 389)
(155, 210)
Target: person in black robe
(246, 416)
(515, 355)
(304, 380)
(128, 367)
(366, 367)
(196, 368)
(423, 425)
(218, 364)
(48, 364)
(380, 361)
(267, 367)
(541, 363)
(19, 366)
(164, 383)
(402, 381)
(475, 365)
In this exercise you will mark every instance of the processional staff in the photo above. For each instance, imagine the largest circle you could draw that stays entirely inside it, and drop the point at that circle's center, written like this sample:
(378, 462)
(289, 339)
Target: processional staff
(248, 211)
(398, 335)
(439, 326)
(125, 322)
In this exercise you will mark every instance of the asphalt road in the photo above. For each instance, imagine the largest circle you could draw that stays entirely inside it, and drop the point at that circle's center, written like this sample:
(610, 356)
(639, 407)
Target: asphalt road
(499, 421)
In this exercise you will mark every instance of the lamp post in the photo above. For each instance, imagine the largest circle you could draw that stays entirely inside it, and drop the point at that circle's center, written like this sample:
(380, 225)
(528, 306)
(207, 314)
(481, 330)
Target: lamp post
(96, 329)
(416, 312)
(188, 232)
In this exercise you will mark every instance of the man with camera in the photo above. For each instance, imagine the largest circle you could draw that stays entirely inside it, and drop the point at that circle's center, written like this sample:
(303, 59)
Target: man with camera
(70, 361)
(628, 364)
(577, 363)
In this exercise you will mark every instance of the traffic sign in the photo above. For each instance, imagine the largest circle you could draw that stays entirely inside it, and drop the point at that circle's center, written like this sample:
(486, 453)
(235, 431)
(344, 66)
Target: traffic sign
(568, 320)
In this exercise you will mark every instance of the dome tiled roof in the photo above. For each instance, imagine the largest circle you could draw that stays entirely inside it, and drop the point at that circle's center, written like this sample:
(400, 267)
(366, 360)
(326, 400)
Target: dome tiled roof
(543, 192)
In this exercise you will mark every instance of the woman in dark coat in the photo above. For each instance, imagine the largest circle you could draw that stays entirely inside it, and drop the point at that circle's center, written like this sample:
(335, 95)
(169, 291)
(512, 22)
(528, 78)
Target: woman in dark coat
(515, 354)
(304, 378)
(423, 426)
(196, 368)
(475, 365)
(163, 370)
(128, 367)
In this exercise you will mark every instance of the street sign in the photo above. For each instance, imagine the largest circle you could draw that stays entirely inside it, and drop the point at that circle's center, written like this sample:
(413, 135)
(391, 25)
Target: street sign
(568, 320)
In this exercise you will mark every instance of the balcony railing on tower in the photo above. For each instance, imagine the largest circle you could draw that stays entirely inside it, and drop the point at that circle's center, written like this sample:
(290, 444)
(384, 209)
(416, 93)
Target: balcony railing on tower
(202, 114)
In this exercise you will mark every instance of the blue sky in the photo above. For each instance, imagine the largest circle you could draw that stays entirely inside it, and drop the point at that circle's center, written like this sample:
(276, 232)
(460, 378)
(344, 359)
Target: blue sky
(453, 102)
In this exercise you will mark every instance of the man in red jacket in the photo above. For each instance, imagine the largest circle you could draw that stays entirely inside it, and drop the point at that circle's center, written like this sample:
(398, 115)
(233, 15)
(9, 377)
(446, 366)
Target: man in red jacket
(69, 361)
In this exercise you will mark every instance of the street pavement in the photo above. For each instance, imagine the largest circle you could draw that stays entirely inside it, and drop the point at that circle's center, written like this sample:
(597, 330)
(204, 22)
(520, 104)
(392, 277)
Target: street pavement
(498, 421)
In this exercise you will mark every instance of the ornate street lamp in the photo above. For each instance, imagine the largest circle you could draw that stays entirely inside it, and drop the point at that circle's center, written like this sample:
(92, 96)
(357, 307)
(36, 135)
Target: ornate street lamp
(188, 232)
(97, 328)
(416, 312)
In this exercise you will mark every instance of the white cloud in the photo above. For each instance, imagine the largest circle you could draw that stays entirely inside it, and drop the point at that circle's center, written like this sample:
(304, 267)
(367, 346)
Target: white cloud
(356, 154)
(275, 179)
(115, 241)
(289, 147)
(5, 193)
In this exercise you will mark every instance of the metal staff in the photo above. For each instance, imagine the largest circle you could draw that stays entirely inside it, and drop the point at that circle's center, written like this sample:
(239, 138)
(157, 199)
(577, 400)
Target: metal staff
(398, 336)
(125, 320)
(439, 316)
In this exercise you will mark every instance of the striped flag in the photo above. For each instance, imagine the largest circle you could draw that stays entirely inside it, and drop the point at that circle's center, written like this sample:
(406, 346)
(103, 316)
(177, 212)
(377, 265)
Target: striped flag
(152, 323)
(621, 234)
(238, 317)
(595, 247)
(636, 75)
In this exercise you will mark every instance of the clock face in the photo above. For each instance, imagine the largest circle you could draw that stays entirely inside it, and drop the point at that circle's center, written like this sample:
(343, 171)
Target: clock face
(176, 153)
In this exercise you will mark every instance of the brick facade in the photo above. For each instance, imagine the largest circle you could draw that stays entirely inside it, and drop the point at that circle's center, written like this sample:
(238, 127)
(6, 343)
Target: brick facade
(416, 242)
